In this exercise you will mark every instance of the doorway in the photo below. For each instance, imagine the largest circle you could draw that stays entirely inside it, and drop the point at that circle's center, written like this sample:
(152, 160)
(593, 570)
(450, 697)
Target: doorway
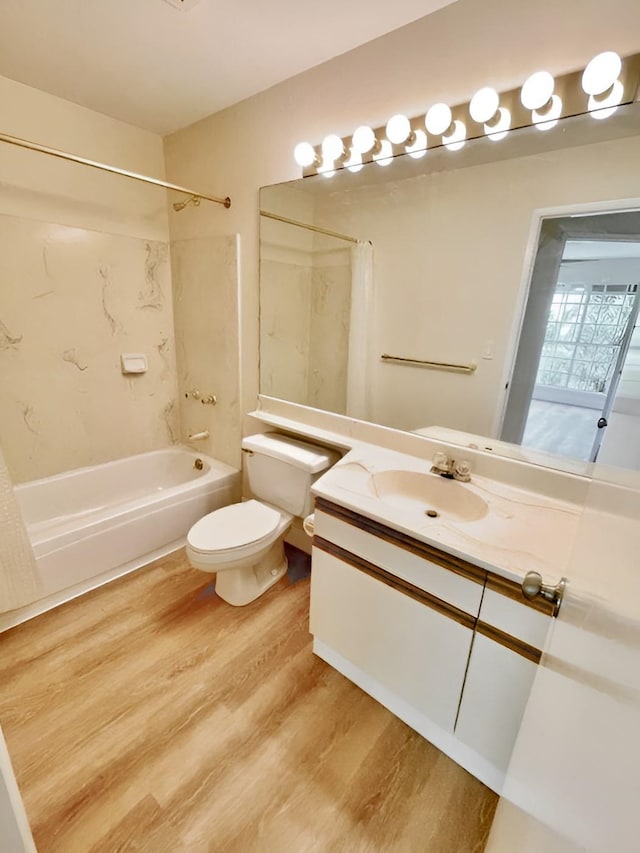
(579, 332)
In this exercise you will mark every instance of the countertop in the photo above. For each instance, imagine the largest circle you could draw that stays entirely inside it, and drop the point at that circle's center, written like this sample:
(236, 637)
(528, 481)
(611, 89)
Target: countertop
(521, 530)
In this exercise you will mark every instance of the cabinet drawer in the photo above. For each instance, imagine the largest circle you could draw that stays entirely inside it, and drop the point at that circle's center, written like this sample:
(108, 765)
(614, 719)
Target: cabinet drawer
(464, 592)
(358, 616)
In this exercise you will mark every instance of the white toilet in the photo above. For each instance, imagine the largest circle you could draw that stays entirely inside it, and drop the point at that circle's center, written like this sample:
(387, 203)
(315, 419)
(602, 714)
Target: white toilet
(244, 543)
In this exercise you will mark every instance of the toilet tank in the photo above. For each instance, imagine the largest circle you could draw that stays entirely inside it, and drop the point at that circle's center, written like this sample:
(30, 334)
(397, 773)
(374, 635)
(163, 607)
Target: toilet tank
(281, 470)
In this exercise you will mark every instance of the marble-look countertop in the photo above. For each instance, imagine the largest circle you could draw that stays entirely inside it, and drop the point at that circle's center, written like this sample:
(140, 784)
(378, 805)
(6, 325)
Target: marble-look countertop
(522, 530)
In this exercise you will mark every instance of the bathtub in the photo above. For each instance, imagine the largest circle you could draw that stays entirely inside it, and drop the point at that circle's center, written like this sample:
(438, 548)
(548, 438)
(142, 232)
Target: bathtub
(91, 525)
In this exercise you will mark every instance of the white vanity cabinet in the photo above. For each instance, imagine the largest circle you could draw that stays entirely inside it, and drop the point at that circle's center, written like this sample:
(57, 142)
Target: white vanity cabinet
(449, 647)
(358, 614)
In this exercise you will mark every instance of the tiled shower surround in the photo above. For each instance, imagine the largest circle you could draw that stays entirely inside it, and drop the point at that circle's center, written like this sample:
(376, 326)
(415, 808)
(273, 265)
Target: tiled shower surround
(71, 301)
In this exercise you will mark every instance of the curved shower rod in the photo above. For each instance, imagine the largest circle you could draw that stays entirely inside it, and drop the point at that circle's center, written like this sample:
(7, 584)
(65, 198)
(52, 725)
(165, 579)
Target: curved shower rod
(94, 164)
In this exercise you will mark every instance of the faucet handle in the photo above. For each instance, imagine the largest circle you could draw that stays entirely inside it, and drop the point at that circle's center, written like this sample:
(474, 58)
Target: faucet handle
(440, 460)
(462, 470)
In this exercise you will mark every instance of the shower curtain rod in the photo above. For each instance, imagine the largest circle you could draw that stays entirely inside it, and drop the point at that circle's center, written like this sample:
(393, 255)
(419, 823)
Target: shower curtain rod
(315, 228)
(73, 158)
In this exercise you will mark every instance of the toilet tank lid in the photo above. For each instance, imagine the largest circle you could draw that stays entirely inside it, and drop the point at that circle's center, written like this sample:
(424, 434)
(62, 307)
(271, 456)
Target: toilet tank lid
(309, 457)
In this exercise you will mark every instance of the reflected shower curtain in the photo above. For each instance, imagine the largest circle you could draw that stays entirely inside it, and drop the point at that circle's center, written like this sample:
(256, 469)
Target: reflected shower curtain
(19, 581)
(358, 391)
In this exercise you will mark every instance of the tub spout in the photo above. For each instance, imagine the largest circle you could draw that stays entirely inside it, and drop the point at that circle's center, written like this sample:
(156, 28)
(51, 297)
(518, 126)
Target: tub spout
(199, 436)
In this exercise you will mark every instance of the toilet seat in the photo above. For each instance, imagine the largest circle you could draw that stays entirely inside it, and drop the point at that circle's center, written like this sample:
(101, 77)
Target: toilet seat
(225, 533)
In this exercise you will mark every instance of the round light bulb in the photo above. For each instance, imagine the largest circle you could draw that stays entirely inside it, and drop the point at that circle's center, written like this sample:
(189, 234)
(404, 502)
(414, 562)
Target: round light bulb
(548, 119)
(398, 129)
(537, 90)
(498, 130)
(354, 163)
(327, 169)
(604, 107)
(363, 139)
(385, 155)
(601, 73)
(332, 147)
(484, 104)
(455, 141)
(438, 119)
(304, 154)
(419, 147)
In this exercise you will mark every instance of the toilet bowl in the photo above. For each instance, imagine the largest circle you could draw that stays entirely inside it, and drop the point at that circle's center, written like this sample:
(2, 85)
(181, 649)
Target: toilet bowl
(244, 543)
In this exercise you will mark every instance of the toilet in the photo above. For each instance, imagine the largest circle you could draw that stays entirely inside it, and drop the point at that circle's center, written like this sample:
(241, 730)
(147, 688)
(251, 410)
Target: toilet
(244, 542)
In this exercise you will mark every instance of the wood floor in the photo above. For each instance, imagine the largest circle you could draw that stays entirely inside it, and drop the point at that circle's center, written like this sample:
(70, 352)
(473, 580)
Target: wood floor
(151, 716)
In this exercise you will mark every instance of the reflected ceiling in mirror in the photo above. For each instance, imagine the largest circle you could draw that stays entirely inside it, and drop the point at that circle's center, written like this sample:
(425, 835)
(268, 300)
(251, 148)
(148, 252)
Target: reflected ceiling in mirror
(430, 260)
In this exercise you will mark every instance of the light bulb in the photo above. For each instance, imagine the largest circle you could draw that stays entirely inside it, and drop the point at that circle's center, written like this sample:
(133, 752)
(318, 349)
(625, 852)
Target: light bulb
(548, 119)
(327, 169)
(419, 147)
(499, 129)
(601, 73)
(363, 139)
(438, 119)
(332, 147)
(354, 163)
(304, 154)
(385, 155)
(398, 129)
(484, 105)
(537, 90)
(604, 107)
(455, 141)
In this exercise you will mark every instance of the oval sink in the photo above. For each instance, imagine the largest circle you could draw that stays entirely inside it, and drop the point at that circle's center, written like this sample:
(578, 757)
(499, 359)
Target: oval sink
(416, 491)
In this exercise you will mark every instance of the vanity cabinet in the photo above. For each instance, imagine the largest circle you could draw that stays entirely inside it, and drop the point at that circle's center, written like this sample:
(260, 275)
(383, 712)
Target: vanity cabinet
(449, 647)
(358, 613)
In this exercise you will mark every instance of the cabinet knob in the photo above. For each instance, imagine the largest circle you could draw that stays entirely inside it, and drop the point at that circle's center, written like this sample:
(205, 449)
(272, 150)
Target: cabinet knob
(532, 587)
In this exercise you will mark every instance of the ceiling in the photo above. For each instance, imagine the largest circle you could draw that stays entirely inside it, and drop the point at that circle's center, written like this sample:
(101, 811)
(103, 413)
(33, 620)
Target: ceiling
(161, 68)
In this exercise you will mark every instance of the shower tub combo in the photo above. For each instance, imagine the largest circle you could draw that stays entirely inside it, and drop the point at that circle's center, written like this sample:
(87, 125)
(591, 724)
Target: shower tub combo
(92, 525)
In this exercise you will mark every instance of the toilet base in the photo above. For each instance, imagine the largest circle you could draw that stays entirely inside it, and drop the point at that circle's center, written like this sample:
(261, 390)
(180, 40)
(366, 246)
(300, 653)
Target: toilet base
(243, 584)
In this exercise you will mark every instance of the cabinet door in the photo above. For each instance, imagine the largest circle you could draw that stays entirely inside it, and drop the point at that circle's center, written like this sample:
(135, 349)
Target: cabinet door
(404, 644)
(495, 693)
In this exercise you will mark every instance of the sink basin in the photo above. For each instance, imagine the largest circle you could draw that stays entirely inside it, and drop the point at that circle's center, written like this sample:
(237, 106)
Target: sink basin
(429, 492)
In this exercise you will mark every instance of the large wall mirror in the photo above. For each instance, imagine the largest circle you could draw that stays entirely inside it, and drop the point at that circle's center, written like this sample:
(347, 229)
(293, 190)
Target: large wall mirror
(487, 296)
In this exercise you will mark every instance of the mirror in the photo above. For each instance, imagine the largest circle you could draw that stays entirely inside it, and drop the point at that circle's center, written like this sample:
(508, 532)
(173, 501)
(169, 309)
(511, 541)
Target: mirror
(429, 262)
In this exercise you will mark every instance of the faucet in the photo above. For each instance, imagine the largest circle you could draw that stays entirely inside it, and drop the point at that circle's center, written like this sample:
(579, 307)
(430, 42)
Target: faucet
(449, 468)
(199, 436)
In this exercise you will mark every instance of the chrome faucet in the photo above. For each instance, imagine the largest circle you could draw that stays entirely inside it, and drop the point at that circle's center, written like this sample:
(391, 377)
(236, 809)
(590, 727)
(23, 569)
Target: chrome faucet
(449, 468)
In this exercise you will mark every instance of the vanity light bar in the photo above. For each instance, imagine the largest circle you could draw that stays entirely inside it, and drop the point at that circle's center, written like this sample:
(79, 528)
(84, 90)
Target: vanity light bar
(606, 82)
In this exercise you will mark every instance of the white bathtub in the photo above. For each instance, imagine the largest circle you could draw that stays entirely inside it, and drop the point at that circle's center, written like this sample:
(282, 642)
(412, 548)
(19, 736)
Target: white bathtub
(91, 525)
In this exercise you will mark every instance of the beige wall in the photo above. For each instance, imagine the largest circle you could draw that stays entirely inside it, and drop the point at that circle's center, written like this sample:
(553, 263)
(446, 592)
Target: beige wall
(445, 56)
(41, 187)
(84, 276)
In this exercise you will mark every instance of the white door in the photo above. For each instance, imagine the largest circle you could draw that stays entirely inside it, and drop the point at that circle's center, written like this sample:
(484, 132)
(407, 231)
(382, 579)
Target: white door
(573, 783)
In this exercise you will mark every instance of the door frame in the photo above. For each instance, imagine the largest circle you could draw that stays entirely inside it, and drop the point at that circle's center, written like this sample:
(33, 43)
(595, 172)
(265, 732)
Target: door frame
(592, 208)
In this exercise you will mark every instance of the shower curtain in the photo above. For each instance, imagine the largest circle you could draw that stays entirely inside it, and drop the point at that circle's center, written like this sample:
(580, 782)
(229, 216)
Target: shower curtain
(358, 391)
(19, 580)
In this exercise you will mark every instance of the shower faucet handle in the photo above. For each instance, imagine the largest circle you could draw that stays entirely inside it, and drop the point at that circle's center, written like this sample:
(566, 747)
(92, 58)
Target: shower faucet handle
(194, 394)
(209, 400)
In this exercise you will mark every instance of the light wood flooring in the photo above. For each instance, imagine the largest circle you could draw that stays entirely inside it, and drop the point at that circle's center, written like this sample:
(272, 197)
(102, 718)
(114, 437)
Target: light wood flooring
(151, 716)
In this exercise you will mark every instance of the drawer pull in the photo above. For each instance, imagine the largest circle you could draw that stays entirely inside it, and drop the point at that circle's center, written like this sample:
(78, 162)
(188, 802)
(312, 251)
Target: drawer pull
(532, 587)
